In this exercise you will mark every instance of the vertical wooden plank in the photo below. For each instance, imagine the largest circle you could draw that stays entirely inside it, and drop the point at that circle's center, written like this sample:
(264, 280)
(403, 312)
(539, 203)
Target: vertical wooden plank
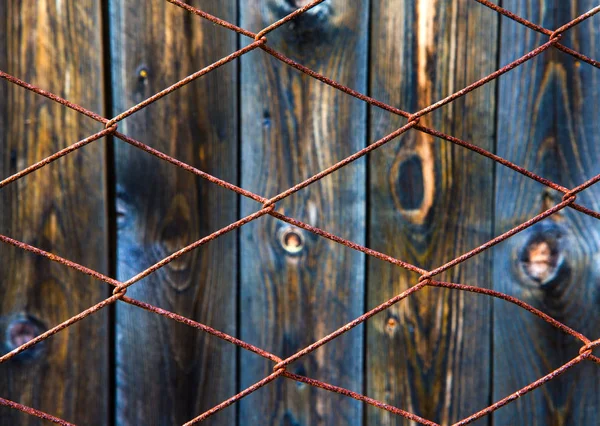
(548, 111)
(293, 127)
(430, 202)
(55, 45)
(168, 373)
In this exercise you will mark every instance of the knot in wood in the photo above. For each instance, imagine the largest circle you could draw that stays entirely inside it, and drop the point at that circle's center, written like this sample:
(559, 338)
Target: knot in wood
(21, 330)
(142, 73)
(391, 325)
(542, 256)
(291, 239)
(306, 20)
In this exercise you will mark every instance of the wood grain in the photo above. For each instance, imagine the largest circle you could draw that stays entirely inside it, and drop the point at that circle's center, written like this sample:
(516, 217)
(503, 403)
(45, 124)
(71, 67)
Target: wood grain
(60, 208)
(168, 373)
(548, 111)
(430, 202)
(440, 354)
(292, 128)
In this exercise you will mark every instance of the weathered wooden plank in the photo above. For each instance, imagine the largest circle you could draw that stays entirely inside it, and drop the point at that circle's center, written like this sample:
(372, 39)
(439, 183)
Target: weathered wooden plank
(292, 128)
(168, 373)
(430, 202)
(548, 113)
(60, 208)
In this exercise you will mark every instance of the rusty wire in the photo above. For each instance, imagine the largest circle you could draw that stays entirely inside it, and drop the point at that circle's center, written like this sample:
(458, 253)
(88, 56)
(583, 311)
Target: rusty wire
(425, 279)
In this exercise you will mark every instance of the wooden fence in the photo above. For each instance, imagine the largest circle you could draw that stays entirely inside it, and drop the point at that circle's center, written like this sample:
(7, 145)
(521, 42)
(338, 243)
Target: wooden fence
(439, 354)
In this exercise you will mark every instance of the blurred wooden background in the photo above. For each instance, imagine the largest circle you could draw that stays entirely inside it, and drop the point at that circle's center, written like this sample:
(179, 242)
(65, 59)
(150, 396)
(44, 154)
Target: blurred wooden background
(256, 122)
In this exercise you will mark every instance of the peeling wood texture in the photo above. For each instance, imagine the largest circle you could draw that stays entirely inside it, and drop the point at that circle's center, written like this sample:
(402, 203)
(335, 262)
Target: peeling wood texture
(430, 201)
(168, 373)
(548, 113)
(293, 127)
(60, 208)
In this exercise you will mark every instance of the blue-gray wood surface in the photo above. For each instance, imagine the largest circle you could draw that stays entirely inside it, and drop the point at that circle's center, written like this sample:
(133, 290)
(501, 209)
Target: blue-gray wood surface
(258, 123)
(293, 126)
(548, 123)
(166, 372)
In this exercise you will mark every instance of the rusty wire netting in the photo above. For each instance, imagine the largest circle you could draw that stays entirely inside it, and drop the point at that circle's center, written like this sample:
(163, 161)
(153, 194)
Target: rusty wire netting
(426, 278)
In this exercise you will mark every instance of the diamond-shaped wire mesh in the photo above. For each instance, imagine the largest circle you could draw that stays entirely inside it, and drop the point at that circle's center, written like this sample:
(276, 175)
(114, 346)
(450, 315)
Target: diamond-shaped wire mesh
(426, 278)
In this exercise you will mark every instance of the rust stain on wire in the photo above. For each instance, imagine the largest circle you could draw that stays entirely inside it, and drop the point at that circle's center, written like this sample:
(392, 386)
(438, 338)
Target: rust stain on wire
(195, 245)
(500, 238)
(560, 370)
(425, 278)
(34, 412)
(235, 398)
(57, 155)
(61, 326)
(183, 82)
(371, 401)
(287, 18)
(492, 293)
(199, 326)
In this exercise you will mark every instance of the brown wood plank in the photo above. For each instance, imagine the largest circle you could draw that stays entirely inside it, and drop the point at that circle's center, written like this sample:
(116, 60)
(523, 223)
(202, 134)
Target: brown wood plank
(548, 113)
(293, 127)
(168, 373)
(60, 208)
(430, 202)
